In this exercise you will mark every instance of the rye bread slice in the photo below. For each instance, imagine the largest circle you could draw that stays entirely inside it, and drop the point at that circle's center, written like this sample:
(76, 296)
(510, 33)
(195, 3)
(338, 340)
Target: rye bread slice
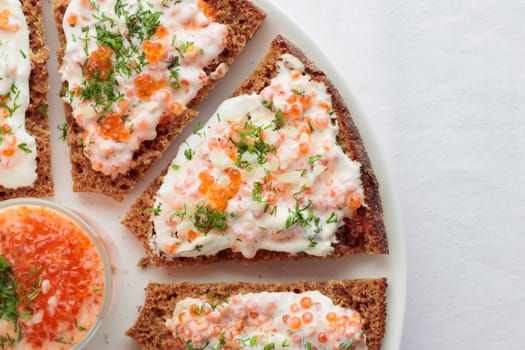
(367, 296)
(363, 233)
(37, 123)
(242, 19)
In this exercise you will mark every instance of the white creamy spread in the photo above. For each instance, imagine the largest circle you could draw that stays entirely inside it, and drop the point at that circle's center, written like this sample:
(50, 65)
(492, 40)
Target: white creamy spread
(266, 320)
(265, 172)
(17, 148)
(132, 65)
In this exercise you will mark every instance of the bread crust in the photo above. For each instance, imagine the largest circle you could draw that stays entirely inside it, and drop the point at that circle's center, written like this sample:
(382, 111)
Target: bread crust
(36, 115)
(363, 233)
(242, 19)
(366, 296)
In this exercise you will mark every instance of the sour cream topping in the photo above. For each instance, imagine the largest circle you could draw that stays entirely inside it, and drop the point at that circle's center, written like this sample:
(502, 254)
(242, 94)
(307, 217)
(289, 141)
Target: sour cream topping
(265, 172)
(17, 148)
(132, 65)
(278, 320)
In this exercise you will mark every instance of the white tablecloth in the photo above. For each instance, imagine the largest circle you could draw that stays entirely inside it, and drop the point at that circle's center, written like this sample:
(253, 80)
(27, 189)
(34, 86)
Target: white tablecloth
(442, 84)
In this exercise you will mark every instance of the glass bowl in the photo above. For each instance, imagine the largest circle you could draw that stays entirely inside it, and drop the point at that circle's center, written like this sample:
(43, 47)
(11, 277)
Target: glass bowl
(91, 233)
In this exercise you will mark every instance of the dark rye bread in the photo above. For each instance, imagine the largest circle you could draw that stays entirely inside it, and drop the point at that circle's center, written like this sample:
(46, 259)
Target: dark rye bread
(366, 296)
(242, 19)
(364, 233)
(36, 114)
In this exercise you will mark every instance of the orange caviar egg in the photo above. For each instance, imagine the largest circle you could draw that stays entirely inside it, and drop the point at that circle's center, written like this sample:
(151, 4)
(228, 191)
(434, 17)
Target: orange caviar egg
(322, 337)
(307, 317)
(99, 64)
(112, 127)
(194, 310)
(161, 32)
(296, 74)
(206, 178)
(324, 105)
(331, 316)
(206, 8)
(72, 19)
(203, 189)
(232, 154)
(296, 111)
(218, 196)
(294, 323)
(306, 302)
(355, 201)
(154, 51)
(171, 248)
(192, 235)
(8, 152)
(4, 113)
(213, 143)
(272, 199)
(234, 174)
(5, 14)
(304, 148)
(321, 121)
(294, 307)
(306, 101)
(145, 85)
(175, 108)
(292, 98)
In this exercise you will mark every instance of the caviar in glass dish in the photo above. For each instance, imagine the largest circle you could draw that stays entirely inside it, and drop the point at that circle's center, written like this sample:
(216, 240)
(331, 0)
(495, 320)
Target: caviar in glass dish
(55, 276)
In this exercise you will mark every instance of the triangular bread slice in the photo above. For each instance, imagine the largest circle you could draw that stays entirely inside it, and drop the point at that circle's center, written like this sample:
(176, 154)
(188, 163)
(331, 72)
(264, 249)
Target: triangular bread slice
(242, 19)
(363, 233)
(37, 122)
(366, 296)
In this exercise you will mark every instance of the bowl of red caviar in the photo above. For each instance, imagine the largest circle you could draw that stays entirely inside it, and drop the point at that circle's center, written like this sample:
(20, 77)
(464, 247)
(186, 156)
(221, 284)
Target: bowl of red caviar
(55, 276)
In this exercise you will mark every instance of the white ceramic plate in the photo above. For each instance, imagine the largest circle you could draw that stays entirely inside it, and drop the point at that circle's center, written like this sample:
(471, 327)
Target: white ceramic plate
(108, 213)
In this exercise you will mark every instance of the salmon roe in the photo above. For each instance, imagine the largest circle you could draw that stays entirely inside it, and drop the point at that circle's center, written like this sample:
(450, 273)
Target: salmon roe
(154, 51)
(99, 65)
(219, 195)
(5, 16)
(44, 246)
(208, 10)
(112, 127)
(146, 85)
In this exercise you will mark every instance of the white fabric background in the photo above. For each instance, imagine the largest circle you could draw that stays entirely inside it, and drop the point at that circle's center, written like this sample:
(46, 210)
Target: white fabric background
(442, 84)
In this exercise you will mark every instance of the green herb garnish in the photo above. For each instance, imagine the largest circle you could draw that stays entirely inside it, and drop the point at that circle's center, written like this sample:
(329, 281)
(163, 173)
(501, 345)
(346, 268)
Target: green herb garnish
(188, 153)
(311, 160)
(332, 218)
(251, 141)
(347, 345)
(61, 340)
(155, 211)
(23, 147)
(206, 218)
(8, 297)
(43, 109)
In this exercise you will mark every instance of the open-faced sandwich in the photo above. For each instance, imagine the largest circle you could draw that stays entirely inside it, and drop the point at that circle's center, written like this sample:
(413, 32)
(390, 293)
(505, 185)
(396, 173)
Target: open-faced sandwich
(25, 161)
(134, 71)
(278, 172)
(343, 315)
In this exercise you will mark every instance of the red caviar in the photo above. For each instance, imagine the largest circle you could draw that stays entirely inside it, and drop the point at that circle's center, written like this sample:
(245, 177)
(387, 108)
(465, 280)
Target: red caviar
(219, 195)
(44, 245)
(112, 127)
(146, 85)
(99, 64)
(154, 51)
(208, 10)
